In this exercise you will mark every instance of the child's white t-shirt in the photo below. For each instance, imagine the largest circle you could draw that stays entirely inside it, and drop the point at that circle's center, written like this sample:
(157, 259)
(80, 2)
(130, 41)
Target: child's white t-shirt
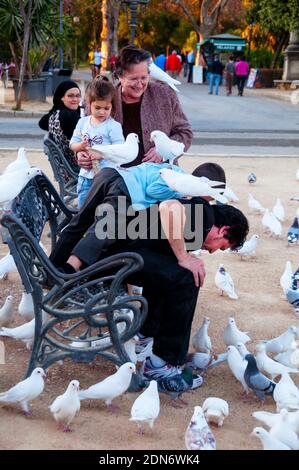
(106, 133)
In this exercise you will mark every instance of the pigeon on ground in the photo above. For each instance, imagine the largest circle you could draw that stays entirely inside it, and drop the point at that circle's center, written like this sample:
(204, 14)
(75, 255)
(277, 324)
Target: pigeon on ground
(26, 307)
(146, 407)
(286, 277)
(225, 283)
(21, 162)
(230, 195)
(176, 385)
(159, 74)
(119, 153)
(6, 312)
(189, 185)
(204, 361)
(269, 442)
(215, 410)
(278, 210)
(254, 204)
(198, 435)
(283, 342)
(267, 221)
(272, 223)
(25, 391)
(255, 380)
(237, 365)
(283, 431)
(289, 358)
(267, 365)
(286, 394)
(7, 265)
(65, 407)
(11, 184)
(249, 247)
(232, 335)
(111, 387)
(293, 232)
(242, 349)
(130, 347)
(251, 178)
(23, 333)
(201, 340)
(270, 419)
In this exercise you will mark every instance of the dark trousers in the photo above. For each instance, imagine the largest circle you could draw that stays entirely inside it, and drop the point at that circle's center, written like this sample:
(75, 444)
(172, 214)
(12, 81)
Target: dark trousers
(80, 237)
(241, 79)
(190, 73)
(229, 82)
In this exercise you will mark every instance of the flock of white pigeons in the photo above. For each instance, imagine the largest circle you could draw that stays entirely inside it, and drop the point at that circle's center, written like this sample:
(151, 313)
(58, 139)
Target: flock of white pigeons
(267, 373)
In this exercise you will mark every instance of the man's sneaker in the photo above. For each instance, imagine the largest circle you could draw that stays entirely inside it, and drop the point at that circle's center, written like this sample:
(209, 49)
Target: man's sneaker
(197, 381)
(144, 348)
(155, 373)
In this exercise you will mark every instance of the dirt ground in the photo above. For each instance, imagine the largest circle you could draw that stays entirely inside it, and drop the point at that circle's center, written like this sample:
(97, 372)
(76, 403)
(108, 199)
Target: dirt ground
(260, 310)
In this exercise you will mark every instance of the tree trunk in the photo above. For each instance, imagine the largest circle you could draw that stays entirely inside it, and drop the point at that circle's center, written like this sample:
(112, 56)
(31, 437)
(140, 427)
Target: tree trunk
(109, 34)
(283, 40)
(15, 59)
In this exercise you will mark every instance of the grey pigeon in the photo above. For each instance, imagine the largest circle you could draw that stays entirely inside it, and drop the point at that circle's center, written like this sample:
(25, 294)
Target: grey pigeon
(251, 178)
(176, 385)
(293, 232)
(258, 382)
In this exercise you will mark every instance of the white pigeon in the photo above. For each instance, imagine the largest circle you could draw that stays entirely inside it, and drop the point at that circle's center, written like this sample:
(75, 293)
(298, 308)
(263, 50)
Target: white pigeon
(267, 221)
(225, 283)
(65, 407)
(159, 74)
(167, 148)
(286, 394)
(237, 365)
(254, 204)
(297, 175)
(232, 335)
(11, 184)
(283, 342)
(112, 386)
(269, 442)
(7, 265)
(26, 307)
(270, 419)
(275, 226)
(130, 347)
(267, 365)
(249, 247)
(25, 391)
(120, 153)
(229, 194)
(198, 435)
(21, 162)
(146, 407)
(201, 340)
(286, 277)
(189, 185)
(215, 410)
(283, 431)
(278, 210)
(205, 361)
(289, 358)
(6, 312)
(243, 351)
(23, 333)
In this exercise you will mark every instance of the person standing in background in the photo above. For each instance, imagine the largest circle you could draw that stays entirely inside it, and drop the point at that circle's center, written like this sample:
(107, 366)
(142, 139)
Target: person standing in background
(97, 59)
(173, 65)
(242, 69)
(161, 61)
(229, 74)
(191, 62)
(216, 75)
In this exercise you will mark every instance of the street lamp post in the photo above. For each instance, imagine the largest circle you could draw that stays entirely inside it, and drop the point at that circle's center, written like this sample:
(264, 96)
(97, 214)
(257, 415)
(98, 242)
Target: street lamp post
(133, 5)
(60, 30)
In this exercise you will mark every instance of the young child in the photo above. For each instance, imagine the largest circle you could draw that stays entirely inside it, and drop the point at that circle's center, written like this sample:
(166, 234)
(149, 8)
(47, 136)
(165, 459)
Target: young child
(99, 128)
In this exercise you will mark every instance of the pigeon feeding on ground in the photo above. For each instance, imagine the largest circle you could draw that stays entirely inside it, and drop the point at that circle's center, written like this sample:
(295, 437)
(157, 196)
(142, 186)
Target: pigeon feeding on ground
(225, 283)
(255, 380)
(21, 162)
(249, 247)
(6, 312)
(286, 277)
(26, 307)
(254, 204)
(7, 265)
(215, 410)
(278, 210)
(270, 419)
(293, 232)
(146, 407)
(198, 435)
(237, 366)
(23, 333)
(283, 342)
(267, 365)
(119, 153)
(65, 407)
(269, 442)
(111, 387)
(232, 335)
(201, 340)
(189, 185)
(159, 74)
(286, 394)
(251, 178)
(11, 184)
(25, 391)
(176, 385)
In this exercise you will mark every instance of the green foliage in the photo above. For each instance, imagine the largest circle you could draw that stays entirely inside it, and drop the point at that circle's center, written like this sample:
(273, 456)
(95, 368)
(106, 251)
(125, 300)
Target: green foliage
(275, 15)
(262, 58)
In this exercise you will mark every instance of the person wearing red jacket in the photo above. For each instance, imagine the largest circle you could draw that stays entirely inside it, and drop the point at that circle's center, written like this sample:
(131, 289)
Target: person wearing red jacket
(173, 65)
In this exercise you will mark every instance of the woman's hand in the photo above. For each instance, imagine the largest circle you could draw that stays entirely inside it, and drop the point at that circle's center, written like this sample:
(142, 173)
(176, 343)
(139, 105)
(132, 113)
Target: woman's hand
(152, 156)
(84, 160)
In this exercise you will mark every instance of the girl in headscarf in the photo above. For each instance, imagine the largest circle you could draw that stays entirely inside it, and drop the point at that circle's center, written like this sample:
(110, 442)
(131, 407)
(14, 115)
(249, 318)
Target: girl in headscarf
(61, 120)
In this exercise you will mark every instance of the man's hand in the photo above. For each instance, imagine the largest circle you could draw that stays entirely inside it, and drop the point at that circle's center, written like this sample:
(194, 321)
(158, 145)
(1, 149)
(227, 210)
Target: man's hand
(84, 160)
(152, 156)
(196, 266)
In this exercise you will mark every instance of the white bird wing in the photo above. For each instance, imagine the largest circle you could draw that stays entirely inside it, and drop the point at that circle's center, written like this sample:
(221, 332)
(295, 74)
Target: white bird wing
(159, 74)
(57, 404)
(18, 392)
(189, 185)
(269, 419)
